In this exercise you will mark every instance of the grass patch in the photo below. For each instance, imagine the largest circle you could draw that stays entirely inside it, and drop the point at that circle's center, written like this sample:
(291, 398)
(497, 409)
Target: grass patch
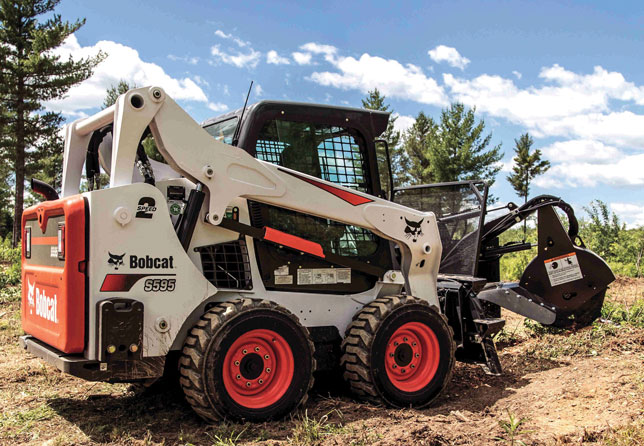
(9, 294)
(312, 431)
(24, 420)
(554, 343)
(623, 314)
(512, 430)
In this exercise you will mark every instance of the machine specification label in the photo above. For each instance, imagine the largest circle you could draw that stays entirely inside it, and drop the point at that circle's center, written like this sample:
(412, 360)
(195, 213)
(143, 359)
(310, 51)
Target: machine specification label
(284, 279)
(563, 269)
(323, 276)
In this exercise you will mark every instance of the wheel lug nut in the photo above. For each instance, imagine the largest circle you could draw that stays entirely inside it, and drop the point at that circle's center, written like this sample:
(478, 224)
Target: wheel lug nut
(268, 370)
(266, 356)
(413, 366)
(402, 370)
(244, 351)
(405, 339)
(238, 377)
(261, 381)
(391, 354)
(414, 344)
(247, 383)
(396, 343)
(417, 355)
(395, 366)
(256, 349)
(237, 363)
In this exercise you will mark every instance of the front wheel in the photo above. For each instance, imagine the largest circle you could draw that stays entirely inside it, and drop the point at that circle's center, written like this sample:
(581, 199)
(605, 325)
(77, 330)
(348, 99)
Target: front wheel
(247, 359)
(399, 350)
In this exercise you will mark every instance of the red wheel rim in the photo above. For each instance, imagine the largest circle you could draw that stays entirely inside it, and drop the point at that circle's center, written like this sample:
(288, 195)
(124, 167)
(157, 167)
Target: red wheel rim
(258, 368)
(412, 356)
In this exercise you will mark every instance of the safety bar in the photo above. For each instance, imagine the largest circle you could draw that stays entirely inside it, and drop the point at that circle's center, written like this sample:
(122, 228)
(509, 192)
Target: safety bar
(95, 122)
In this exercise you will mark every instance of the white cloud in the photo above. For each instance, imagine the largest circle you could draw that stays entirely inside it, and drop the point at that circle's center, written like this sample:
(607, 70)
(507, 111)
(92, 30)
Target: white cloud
(273, 58)
(403, 122)
(329, 51)
(217, 106)
(238, 59)
(238, 41)
(185, 59)
(627, 171)
(201, 81)
(122, 62)
(581, 150)
(302, 58)
(517, 74)
(258, 90)
(391, 77)
(450, 55)
(632, 213)
(569, 104)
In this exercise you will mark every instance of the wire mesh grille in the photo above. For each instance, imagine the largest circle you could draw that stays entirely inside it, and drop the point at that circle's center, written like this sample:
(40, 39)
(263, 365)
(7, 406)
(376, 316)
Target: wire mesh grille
(327, 152)
(458, 210)
(331, 153)
(226, 265)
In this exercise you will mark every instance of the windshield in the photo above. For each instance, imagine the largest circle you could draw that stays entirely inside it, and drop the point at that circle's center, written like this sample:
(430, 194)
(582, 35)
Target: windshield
(224, 130)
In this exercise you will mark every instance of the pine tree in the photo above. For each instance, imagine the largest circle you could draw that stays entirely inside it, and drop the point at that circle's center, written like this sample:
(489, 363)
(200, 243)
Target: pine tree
(416, 139)
(31, 74)
(454, 149)
(399, 161)
(526, 167)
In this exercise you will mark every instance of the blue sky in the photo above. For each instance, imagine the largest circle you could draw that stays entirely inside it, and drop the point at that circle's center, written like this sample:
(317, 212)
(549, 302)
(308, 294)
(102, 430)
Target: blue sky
(570, 73)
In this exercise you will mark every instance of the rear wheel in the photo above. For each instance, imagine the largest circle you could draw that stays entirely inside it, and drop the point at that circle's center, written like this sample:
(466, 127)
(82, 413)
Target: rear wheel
(247, 359)
(399, 350)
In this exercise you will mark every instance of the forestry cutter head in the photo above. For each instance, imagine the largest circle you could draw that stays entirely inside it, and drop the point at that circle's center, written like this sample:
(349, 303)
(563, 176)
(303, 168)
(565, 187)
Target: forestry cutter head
(565, 284)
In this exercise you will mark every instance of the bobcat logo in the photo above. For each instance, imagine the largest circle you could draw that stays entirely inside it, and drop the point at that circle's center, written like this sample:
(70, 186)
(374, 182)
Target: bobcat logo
(413, 229)
(115, 260)
(31, 292)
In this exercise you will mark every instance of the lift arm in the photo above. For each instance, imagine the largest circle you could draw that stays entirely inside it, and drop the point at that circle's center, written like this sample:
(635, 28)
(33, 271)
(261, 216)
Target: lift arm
(229, 172)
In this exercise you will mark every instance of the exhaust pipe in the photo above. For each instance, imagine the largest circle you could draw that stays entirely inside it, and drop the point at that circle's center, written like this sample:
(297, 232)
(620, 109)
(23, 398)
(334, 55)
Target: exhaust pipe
(44, 189)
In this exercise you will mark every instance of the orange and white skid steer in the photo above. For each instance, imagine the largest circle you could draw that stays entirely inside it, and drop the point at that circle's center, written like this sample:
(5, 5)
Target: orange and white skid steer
(255, 250)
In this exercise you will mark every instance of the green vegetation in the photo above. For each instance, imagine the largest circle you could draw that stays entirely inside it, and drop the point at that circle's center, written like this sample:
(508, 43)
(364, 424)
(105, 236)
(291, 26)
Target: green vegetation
(9, 264)
(622, 314)
(311, 431)
(512, 429)
(455, 148)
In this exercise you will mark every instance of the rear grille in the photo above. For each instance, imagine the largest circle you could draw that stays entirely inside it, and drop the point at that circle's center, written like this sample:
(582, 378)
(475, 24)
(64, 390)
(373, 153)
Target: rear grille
(226, 265)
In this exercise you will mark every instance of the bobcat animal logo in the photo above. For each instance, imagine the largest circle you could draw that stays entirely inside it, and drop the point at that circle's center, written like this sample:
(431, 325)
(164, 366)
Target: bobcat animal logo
(413, 229)
(115, 260)
(31, 292)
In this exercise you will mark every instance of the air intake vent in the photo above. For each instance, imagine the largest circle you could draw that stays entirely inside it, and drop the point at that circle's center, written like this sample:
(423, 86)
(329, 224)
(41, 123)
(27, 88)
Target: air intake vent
(226, 265)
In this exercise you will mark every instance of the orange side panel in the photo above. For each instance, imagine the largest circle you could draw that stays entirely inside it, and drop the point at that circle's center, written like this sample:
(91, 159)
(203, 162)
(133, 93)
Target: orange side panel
(53, 291)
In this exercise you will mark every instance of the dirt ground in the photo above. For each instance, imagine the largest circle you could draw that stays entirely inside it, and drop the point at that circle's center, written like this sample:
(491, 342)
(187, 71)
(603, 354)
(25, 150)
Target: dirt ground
(585, 387)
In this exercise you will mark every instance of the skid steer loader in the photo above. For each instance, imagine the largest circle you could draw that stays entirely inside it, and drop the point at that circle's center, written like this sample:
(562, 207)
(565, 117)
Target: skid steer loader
(271, 244)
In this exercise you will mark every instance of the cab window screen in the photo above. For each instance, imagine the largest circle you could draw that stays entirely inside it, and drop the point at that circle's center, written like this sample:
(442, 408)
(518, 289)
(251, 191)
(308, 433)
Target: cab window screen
(327, 152)
(331, 153)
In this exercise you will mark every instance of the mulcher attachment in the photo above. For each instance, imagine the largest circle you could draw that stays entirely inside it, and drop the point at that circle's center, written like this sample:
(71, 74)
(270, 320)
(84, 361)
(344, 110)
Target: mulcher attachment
(565, 284)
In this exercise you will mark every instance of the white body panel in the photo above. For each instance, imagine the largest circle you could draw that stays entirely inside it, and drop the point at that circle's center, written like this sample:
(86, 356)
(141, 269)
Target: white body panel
(230, 176)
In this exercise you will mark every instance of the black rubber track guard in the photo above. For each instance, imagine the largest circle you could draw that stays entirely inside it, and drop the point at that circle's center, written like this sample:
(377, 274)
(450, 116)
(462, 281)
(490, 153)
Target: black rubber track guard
(364, 346)
(200, 364)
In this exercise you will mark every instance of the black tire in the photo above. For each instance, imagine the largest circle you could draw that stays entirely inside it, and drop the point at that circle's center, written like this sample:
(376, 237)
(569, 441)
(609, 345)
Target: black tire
(368, 338)
(208, 348)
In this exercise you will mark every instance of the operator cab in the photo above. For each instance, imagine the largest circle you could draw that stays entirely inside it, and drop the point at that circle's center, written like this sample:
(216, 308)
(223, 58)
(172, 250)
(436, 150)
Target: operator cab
(331, 143)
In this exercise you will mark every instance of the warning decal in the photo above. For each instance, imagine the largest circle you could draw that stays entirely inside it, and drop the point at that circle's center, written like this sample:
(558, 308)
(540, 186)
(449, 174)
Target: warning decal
(323, 276)
(563, 269)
